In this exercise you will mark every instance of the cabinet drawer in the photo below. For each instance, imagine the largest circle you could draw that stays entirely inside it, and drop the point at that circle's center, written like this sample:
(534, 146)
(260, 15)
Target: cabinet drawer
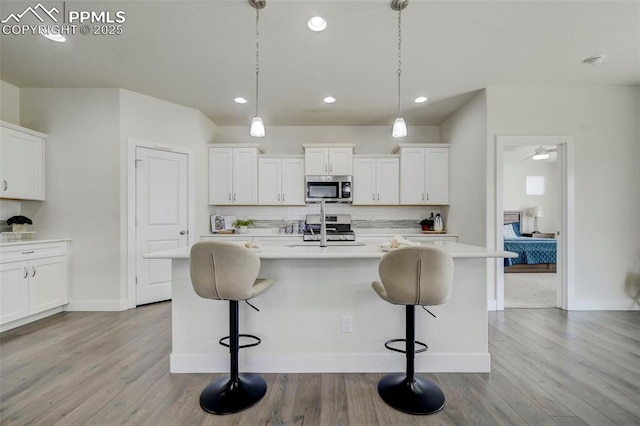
(31, 251)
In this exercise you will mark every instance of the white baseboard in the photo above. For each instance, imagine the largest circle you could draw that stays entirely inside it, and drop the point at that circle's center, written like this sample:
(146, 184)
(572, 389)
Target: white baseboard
(30, 318)
(97, 305)
(605, 305)
(346, 363)
(492, 305)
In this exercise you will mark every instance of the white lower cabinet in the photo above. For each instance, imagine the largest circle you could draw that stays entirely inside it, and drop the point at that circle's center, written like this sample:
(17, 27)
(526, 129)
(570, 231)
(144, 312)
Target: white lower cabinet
(34, 278)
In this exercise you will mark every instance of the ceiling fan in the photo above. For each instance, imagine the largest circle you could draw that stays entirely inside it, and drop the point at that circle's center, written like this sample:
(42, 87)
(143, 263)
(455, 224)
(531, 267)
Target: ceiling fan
(541, 153)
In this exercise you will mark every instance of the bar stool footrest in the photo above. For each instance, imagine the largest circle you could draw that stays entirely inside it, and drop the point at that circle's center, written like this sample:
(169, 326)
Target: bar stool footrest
(246, 345)
(388, 344)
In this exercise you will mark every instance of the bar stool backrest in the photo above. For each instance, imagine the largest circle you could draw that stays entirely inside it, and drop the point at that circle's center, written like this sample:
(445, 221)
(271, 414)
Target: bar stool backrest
(223, 271)
(415, 276)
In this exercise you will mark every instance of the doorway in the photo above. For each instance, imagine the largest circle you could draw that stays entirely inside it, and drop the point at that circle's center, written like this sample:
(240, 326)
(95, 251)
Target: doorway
(547, 208)
(160, 216)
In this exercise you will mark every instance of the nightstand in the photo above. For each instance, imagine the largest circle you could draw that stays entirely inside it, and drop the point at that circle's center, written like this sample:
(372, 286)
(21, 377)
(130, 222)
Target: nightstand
(538, 235)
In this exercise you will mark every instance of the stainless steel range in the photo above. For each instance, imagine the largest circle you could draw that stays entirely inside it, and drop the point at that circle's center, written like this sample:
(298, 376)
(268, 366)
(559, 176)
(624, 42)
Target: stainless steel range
(338, 228)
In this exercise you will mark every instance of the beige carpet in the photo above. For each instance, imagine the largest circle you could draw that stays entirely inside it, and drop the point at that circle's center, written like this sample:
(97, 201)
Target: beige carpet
(530, 290)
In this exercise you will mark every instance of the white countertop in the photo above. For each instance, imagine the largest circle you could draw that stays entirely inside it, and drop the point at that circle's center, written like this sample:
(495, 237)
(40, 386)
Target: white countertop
(23, 242)
(367, 251)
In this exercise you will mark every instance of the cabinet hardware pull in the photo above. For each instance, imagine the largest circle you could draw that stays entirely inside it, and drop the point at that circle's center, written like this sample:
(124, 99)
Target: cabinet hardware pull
(6, 185)
(229, 196)
(427, 196)
(326, 169)
(423, 196)
(283, 197)
(234, 196)
(26, 272)
(278, 197)
(28, 252)
(331, 168)
(373, 197)
(183, 232)
(378, 196)
(33, 268)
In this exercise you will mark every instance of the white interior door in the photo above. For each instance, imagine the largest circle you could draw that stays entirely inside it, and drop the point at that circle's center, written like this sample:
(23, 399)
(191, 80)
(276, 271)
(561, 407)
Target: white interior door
(161, 218)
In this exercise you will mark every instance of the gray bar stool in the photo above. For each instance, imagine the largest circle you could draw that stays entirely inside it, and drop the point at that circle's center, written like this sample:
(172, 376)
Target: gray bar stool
(413, 276)
(226, 271)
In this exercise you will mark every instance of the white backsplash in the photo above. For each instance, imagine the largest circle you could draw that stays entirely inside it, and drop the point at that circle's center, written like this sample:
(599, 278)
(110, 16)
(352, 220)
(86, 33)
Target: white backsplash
(297, 213)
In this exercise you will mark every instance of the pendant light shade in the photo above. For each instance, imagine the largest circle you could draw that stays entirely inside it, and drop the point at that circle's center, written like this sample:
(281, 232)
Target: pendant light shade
(399, 126)
(257, 126)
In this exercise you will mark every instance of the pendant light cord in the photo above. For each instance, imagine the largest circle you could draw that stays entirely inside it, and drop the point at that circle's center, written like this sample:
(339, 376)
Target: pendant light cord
(257, 54)
(399, 55)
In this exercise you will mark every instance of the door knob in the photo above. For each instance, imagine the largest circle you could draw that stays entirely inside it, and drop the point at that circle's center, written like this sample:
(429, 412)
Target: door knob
(183, 232)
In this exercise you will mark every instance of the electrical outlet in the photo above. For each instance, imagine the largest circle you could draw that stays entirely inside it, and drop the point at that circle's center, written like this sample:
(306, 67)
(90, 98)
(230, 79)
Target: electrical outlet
(345, 324)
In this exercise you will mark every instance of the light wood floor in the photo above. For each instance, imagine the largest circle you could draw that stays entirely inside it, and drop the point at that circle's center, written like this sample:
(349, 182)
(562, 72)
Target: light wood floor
(109, 368)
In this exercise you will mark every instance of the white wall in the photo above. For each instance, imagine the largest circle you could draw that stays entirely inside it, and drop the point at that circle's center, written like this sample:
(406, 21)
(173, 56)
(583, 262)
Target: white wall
(288, 139)
(465, 130)
(516, 198)
(153, 120)
(82, 186)
(9, 103)
(605, 123)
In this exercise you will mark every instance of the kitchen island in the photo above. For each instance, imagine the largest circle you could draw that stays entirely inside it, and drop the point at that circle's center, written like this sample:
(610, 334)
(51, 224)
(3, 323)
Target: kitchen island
(300, 318)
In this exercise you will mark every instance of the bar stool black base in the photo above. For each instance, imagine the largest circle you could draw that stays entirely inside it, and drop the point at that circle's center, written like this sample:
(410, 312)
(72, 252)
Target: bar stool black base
(225, 396)
(420, 396)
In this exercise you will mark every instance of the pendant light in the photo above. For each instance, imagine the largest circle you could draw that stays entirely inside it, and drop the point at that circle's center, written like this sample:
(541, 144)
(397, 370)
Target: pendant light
(399, 126)
(257, 126)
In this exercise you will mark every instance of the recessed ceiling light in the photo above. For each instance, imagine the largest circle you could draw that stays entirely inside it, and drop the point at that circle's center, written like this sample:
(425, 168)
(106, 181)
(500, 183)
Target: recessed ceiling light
(317, 23)
(240, 100)
(594, 60)
(55, 37)
(329, 100)
(420, 99)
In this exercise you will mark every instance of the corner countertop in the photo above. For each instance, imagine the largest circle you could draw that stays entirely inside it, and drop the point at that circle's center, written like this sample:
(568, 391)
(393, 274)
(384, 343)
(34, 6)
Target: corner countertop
(366, 251)
(26, 242)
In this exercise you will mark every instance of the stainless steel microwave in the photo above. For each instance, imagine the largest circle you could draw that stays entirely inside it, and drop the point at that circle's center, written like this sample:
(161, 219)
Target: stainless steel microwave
(332, 189)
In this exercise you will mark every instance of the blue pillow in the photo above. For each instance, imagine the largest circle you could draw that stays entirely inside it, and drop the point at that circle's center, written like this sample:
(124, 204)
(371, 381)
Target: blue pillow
(516, 228)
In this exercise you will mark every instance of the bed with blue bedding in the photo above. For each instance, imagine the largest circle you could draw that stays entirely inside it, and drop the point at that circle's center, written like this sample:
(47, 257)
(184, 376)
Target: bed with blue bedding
(534, 254)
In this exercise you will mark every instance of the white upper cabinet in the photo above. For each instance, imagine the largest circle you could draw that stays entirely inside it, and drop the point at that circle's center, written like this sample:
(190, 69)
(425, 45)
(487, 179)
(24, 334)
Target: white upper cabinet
(424, 174)
(376, 180)
(233, 174)
(324, 160)
(21, 163)
(281, 181)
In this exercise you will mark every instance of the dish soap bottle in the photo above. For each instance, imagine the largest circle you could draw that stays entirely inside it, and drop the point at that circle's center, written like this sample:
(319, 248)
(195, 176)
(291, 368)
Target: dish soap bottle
(438, 225)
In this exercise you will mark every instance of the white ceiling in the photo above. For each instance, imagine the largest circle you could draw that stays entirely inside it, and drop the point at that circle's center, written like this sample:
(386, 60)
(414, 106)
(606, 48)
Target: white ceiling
(202, 54)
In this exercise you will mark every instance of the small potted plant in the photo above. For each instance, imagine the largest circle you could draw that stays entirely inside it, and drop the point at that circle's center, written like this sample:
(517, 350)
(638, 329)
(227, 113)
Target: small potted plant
(242, 224)
(19, 223)
(427, 225)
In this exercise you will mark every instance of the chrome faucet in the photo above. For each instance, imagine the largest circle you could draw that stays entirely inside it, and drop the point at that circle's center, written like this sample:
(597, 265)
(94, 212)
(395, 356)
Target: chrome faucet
(323, 226)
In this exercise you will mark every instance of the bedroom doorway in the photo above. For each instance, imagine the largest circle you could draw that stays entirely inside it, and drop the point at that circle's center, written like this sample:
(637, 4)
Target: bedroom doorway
(534, 199)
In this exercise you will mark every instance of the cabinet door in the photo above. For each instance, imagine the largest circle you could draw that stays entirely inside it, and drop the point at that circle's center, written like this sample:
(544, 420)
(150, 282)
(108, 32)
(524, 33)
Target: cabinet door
(292, 181)
(316, 161)
(47, 283)
(340, 161)
(14, 291)
(269, 173)
(412, 172)
(21, 165)
(388, 181)
(437, 175)
(364, 180)
(245, 176)
(220, 176)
